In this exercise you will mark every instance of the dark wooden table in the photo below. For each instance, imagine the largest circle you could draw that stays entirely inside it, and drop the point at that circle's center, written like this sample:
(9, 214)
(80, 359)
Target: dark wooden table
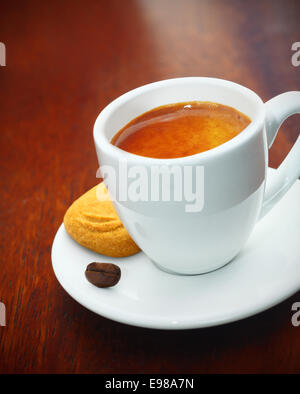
(65, 61)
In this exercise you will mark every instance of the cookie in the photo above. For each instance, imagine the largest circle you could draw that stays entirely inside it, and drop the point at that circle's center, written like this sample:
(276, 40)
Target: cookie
(93, 222)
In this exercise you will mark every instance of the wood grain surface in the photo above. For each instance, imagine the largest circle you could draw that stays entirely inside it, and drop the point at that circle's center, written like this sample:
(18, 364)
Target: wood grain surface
(65, 61)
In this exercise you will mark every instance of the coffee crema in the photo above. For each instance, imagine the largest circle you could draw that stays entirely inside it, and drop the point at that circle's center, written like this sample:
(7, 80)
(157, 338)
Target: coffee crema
(181, 129)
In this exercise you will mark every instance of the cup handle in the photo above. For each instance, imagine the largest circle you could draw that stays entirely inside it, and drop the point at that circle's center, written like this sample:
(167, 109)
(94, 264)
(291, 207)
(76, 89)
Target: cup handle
(277, 110)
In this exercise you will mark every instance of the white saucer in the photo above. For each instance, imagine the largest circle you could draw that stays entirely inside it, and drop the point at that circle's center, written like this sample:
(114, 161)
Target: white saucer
(265, 273)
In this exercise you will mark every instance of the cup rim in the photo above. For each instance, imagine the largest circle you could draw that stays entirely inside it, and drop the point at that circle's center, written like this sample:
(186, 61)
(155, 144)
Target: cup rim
(101, 140)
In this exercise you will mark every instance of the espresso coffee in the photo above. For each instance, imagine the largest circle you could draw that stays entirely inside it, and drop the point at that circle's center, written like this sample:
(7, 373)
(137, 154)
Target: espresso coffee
(181, 129)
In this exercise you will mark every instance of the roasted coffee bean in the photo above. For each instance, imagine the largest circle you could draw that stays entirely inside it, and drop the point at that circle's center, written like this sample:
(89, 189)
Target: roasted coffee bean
(103, 274)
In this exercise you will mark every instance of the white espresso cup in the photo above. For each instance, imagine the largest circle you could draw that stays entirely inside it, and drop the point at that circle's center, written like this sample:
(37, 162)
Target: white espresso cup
(234, 190)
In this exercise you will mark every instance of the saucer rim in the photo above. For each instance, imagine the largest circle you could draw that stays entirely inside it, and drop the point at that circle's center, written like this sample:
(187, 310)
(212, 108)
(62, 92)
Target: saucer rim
(144, 321)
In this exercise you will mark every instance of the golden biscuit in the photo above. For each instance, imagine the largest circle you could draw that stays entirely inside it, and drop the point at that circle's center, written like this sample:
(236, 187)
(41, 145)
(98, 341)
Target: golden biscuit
(93, 222)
